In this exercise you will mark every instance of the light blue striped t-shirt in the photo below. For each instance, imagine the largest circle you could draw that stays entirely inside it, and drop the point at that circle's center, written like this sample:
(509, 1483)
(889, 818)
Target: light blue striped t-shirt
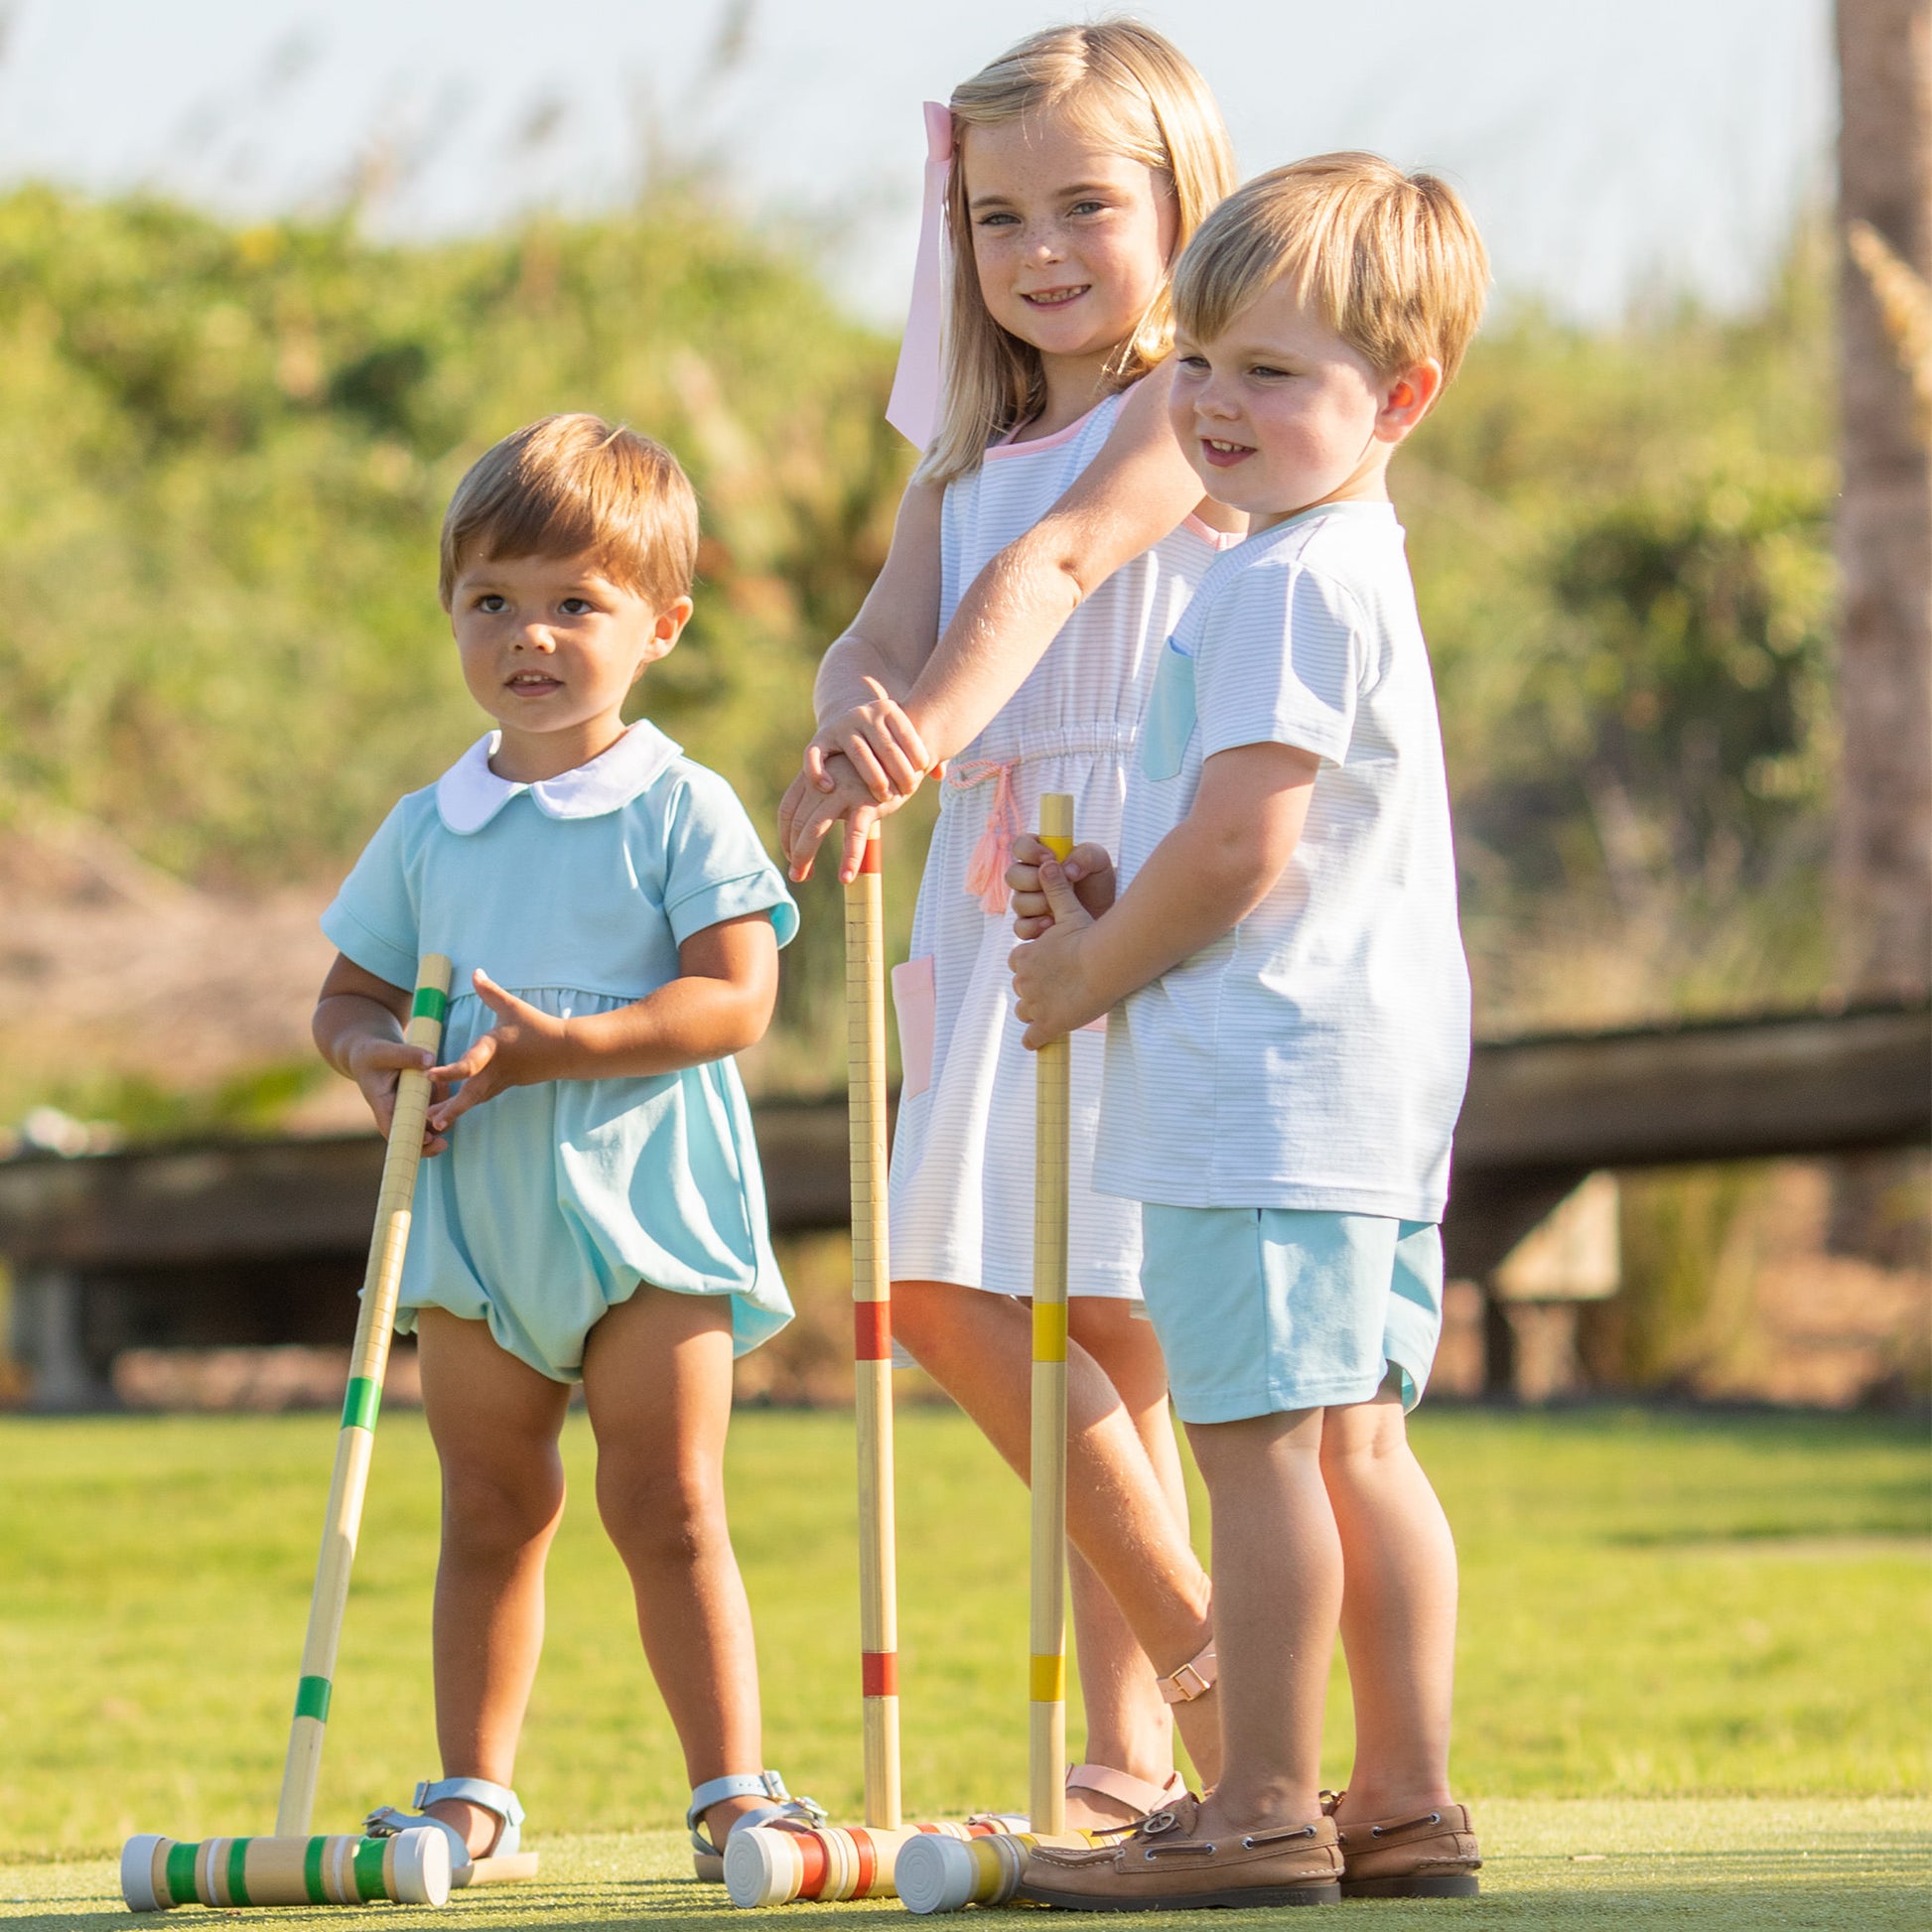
(1315, 1055)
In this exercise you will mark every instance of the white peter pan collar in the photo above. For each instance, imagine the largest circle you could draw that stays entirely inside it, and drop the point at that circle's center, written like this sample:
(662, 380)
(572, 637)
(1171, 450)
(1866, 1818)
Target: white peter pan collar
(469, 794)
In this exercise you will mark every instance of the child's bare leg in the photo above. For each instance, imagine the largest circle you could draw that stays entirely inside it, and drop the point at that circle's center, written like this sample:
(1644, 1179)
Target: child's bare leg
(495, 1422)
(1277, 1598)
(1398, 1609)
(1128, 1725)
(657, 1380)
(978, 1347)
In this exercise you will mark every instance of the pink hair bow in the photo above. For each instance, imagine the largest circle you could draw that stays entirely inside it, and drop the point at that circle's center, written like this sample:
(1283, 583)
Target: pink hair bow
(914, 406)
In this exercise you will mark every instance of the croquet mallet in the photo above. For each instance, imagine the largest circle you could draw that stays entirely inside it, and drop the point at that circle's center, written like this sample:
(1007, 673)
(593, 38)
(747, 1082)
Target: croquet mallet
(344, 1868)
(775, 1864)
(772, 1866)
(943, 1878)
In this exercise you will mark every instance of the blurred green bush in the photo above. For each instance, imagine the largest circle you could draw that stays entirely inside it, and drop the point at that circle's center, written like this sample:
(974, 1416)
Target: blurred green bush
(225, 452)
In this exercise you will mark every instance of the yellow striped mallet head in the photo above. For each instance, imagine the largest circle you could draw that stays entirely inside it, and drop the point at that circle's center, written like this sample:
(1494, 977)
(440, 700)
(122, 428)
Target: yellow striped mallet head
(946, 1875)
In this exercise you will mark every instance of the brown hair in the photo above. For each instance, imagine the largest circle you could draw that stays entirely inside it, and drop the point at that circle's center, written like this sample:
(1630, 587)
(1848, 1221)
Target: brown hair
(1129, 90)
(1391, 262)
(575, 482)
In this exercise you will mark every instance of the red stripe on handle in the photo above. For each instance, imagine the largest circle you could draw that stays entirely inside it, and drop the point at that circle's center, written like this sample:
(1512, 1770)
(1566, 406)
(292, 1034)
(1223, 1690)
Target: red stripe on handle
(870, 863)
(879, 1673)
(872, 1331)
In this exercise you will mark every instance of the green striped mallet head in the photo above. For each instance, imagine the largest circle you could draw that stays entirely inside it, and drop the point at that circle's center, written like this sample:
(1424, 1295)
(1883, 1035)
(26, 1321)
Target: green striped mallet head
(410, 1869)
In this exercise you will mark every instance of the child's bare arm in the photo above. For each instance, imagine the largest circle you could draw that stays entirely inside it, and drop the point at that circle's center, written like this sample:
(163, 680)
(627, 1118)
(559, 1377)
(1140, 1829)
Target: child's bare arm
(720, 1003)
(1131, 496)
(1202, 881)
(1137, 489)
(357, 1027)
(877, 659)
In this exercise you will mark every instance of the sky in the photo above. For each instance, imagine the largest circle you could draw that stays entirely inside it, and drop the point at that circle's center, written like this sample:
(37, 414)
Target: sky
(1612, 150)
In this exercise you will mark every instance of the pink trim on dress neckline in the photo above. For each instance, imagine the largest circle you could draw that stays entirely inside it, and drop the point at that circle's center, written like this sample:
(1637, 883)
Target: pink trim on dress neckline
(1219, 539)
(1006, 447)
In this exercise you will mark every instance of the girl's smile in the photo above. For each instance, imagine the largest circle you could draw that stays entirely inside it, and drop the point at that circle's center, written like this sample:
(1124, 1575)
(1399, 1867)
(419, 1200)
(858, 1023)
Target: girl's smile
(550, 648)
(1071, 242)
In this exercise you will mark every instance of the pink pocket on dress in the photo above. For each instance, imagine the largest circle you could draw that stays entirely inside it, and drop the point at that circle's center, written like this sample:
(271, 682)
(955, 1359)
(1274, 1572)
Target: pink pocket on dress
(913, 1002)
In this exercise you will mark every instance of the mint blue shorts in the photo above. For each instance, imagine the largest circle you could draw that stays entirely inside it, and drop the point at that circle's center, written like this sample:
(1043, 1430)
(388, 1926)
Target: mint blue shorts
(1260, 1311)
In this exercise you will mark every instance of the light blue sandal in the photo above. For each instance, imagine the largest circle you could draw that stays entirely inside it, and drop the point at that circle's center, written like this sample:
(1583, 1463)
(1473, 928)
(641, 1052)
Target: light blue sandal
(783, 1809)
(389, 1820)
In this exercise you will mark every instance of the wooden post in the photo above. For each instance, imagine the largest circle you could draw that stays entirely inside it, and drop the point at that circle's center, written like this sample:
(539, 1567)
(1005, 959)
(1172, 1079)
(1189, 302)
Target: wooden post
(1047, 1738)
(355, 1443)
(872, 1326)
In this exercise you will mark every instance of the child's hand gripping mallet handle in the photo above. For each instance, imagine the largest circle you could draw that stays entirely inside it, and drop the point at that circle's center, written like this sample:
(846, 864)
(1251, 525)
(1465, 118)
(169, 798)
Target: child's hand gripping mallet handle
(292, 1867)
(357, 1442)
(872, 1352)
(1046, 1754)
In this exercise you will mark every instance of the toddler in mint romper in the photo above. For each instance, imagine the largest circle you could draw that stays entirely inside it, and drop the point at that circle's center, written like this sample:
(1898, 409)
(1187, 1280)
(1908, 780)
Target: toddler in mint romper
(556, 1201)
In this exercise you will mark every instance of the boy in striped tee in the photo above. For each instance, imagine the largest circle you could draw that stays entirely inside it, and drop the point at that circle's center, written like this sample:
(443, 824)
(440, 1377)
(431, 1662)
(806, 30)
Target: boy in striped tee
(1288, 1041)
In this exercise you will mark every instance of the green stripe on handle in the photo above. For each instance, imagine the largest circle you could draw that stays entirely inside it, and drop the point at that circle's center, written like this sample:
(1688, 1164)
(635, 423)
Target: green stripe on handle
(238, 1873)
(312, 1694)
(181, 1874)
(312, 1869)
(363, 1403)
(431, 1004)
(368, 1869)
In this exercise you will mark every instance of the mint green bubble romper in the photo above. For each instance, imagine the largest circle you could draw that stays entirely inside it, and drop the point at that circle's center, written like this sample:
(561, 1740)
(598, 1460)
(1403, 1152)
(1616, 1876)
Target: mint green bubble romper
(554, 1203)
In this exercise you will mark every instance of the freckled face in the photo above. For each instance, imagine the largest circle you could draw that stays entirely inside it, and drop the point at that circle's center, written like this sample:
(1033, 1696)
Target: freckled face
(1071, 242)
(1277, 413)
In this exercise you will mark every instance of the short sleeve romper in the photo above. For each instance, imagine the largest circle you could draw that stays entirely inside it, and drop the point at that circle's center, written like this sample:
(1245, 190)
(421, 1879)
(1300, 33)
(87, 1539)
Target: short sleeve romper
(555, 1201)
(962, 1171)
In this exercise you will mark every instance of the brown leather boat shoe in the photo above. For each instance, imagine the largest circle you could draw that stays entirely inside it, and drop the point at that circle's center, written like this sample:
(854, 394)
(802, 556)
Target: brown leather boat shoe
(1164, 1866)
(1431, 1854)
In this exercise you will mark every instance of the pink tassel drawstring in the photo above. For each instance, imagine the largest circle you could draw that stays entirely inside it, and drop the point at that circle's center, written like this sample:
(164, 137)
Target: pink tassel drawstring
(986, 870)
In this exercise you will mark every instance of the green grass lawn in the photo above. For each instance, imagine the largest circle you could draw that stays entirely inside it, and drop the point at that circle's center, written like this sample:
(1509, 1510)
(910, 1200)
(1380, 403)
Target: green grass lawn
(1655, 1607)
(1628, 1865)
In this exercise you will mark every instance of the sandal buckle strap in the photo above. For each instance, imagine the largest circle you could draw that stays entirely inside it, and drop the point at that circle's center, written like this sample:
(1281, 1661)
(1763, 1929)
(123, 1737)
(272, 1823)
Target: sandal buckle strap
(480, 1792)
(1194, 1679)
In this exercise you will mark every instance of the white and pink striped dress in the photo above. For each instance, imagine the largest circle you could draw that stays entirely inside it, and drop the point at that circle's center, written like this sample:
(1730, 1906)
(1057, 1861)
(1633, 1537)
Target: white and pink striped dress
(962, 1173)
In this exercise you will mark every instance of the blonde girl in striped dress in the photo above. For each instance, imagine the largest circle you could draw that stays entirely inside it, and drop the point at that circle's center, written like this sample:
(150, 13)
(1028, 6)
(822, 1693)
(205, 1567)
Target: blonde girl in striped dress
(1050, 537)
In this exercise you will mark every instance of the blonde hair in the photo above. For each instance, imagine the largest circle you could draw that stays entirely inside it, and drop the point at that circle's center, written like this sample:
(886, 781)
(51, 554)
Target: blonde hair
(1128, 88)
(1391, 262)
(575, 482)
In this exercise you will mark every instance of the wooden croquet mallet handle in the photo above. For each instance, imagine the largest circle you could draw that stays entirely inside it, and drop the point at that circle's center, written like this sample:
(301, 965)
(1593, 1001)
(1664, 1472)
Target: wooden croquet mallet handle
(1046, 1736)
(355, 1443)
(872, 1326)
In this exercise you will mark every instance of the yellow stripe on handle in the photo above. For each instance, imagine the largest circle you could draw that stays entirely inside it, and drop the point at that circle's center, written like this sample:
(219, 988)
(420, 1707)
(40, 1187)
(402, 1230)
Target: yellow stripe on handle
(354, 1443)
(1047, 1730)
(872, 1294)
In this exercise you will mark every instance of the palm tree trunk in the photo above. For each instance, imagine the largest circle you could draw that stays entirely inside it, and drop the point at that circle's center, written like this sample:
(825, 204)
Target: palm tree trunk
(1884, 850)
(1883, 856)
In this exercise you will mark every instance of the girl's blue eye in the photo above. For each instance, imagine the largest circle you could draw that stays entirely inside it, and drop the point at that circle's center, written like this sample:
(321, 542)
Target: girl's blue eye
(1264, 369)
(1194, 364)
(1088, 207)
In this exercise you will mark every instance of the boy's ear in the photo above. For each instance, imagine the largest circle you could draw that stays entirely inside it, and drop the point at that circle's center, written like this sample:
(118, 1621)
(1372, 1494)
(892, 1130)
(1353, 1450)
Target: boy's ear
(668, 628)
(1407, 398)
